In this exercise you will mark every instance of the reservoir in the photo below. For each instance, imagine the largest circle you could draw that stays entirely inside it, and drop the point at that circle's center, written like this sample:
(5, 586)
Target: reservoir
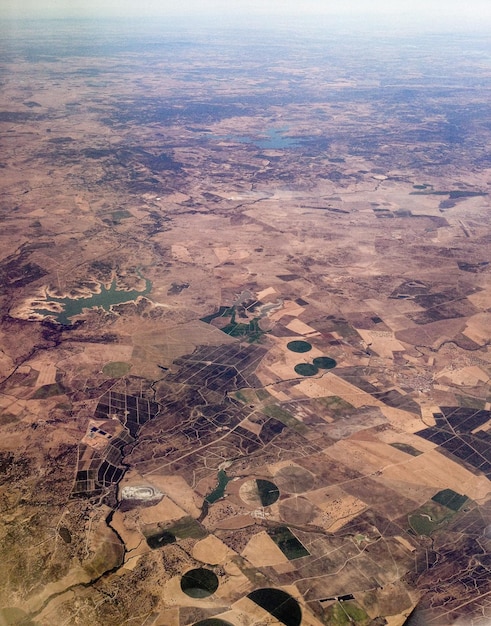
(272, 139)
(105, 299)
(219, 490)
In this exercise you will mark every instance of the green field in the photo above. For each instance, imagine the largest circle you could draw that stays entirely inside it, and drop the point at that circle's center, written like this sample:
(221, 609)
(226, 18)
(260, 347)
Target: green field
(120, 214)
(48, 391)
(429, 518)
(187, 528)
(405, 447)
(7, 418)
(324, 362)
(285, 417)
(286, 541)
(451, 499)
(262, 394)
(249, 330)
(452, 194)
(470, 402)
(116, 369)
(160, 539)
(335, 405)
(306, 369)
(199, 583)
(268, 492)
(299, 346)
(223, 311)
(346, 613)
(252, 396)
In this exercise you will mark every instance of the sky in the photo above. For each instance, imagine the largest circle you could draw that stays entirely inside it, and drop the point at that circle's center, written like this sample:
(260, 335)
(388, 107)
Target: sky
(460, 12)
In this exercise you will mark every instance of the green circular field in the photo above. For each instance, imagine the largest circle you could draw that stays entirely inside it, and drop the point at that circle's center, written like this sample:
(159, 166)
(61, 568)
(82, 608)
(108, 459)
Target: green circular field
(299, 346)
(324, 362)
(306, 369)
(116, 369)
(199, 583)
(279, 604)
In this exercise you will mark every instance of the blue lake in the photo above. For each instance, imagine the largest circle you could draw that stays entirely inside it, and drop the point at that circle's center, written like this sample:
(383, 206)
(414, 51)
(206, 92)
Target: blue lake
(272, 139)
(107, 298)
(219, 490)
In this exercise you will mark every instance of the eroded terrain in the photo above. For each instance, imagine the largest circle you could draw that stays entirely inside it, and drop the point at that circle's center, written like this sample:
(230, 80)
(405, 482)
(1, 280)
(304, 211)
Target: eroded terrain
(245, 329)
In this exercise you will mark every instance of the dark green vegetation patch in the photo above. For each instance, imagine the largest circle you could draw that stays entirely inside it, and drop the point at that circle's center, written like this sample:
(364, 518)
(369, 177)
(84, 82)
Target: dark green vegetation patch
(7, 418)
(286, 541)
(14, 274)
(453, 194)
(160, 539)
(324, 362)
(199, 583)
(285, 417)
(336, 406)
(268, 492)
(115, 217)
(345, 614)
(279, 604)
(306, 369)
(65, 534)
(223, 311)
(430, 517)
(468, 402)
(449, 498)
(249, 330)
(48, 391)
(405, 447)
(187, 528)
(299, 346)
(116, 369)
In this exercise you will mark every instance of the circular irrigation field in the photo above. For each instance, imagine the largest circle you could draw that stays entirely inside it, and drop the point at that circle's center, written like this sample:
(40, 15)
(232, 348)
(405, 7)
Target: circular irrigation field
(318, 363)
(299, 346)
(294, 479)
(279, 604)
(199, 583)
(259, 492)
(297, 510)
(324, 362)
(306, 369)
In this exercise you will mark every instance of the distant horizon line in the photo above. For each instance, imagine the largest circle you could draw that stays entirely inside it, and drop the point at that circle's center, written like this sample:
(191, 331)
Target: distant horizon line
(363, 21)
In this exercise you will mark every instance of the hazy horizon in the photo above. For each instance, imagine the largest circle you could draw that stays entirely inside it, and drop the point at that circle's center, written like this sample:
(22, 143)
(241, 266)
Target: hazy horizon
(435, 15)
